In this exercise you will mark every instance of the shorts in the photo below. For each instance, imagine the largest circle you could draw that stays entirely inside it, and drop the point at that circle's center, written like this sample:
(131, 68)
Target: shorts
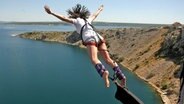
(93, 39)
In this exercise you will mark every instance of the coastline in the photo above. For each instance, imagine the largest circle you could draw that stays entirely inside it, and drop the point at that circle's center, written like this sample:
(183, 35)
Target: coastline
(163, 97)
(137, 50)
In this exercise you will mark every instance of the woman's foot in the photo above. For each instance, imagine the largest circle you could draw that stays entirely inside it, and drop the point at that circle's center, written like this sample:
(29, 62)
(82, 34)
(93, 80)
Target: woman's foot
(123, 82)
(105, 76)
(120, 76)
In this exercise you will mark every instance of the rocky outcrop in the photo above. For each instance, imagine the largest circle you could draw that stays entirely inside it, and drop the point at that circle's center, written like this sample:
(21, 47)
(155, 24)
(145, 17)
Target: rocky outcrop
(148, 52)
(173, 45)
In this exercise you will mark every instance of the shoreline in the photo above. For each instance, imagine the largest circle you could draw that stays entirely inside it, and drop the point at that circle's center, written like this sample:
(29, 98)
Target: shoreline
(163, 97)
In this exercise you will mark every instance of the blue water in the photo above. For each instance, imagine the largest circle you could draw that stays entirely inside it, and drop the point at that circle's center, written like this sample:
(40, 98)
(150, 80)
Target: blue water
(35, 72)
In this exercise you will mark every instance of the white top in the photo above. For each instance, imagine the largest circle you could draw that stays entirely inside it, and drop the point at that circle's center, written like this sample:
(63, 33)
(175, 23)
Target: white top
(79, 22)
(87, 30)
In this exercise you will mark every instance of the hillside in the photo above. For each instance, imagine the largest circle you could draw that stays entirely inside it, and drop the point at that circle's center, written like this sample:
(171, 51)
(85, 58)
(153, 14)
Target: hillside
(139, 49)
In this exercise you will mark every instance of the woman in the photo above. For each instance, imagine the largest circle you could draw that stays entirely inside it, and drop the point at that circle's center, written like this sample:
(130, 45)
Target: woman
(81, 18)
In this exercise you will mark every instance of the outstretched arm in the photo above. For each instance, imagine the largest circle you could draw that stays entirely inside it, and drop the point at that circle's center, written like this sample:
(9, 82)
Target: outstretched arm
(61, 17)
(93, 16)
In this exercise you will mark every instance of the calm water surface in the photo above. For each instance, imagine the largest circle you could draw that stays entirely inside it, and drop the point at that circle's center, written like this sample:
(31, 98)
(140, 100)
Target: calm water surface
(34, 72)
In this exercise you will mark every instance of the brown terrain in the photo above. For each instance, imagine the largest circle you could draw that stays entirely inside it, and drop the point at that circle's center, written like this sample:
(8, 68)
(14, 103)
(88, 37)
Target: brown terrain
(134, 48)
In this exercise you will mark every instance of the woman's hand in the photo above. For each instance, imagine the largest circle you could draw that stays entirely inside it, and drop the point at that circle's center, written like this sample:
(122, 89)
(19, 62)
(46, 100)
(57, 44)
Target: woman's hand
(47, 9)
(94, 15)
(101, 7)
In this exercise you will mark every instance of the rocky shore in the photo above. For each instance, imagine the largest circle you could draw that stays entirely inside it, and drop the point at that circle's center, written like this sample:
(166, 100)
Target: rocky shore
(138, 49)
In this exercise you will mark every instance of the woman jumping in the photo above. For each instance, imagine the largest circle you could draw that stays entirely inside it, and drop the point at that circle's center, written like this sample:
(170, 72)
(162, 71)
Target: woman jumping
(81, 18)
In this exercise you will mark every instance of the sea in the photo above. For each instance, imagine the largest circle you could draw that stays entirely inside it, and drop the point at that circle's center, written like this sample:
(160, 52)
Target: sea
(37, 72)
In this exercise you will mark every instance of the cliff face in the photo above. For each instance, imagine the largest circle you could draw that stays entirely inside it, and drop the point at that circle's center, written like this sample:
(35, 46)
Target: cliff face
(137, 49)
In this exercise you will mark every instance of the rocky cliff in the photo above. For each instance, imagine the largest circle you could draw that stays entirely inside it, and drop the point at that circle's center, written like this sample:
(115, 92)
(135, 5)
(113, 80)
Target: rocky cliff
(145, 51)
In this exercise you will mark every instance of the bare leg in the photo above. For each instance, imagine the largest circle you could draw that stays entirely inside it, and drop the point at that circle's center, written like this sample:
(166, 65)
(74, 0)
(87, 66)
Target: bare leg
(105, 55)
(114, 65)
(93, 53)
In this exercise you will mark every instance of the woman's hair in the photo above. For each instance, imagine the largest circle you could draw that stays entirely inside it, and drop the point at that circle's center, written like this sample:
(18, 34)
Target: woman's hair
(78, 11)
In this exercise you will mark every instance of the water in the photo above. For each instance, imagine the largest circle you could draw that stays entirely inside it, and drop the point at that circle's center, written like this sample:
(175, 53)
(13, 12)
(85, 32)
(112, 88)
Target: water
(34, 72)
